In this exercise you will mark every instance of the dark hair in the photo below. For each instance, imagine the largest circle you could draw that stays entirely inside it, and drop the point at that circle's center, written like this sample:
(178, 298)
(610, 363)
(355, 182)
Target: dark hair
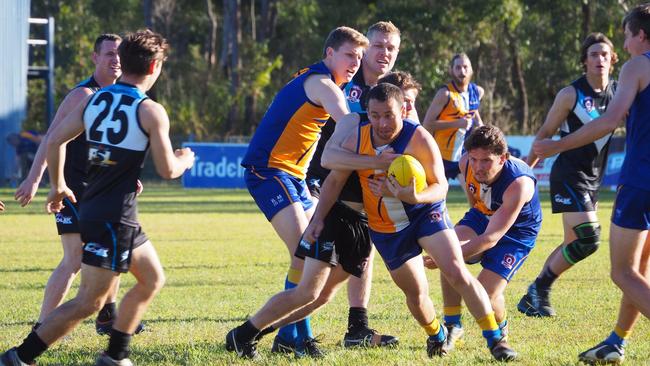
(593, 39)
(487, 137)
(401, 79)
(342, 35)
(105, 37)
(638, 18)
(138, 50)
(382, 92)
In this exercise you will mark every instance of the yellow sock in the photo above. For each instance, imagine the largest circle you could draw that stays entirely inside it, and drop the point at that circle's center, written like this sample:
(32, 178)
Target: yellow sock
(294, 275)
(488, 322)
(624, 334)
(433, 328)
(452, 310)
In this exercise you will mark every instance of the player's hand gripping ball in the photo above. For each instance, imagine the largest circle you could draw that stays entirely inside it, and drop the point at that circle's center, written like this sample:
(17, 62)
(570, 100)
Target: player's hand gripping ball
(405, 167)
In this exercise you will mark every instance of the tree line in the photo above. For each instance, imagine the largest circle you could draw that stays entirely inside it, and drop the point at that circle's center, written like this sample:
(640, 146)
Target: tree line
(229, 57)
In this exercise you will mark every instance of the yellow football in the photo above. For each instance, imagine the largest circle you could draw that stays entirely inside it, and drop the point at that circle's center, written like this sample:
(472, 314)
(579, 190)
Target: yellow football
(406, 167)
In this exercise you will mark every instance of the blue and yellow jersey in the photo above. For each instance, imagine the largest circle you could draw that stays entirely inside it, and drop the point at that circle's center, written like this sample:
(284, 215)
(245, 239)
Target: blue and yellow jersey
(287, 136)
(385, 214)
(460, 104)
(635, 171)
(488, 198)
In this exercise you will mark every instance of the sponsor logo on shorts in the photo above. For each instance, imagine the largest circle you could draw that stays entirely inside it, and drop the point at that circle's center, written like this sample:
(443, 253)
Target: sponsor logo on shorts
(508, 261)
(328, 246)
(65, 220)
(277, 200)
(563, 200)
(305, 244)
(355, 94)
(124, 256)
(96, 249)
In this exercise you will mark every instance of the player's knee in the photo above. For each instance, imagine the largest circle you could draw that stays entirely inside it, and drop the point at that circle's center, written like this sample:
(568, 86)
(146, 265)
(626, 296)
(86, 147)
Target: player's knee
(457, 277)
(587, 242)
(70, 265)
(85, 307)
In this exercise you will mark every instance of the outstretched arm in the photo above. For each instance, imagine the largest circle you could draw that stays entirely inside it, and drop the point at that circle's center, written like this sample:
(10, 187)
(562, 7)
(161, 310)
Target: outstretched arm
(562, 105)
(515, 196)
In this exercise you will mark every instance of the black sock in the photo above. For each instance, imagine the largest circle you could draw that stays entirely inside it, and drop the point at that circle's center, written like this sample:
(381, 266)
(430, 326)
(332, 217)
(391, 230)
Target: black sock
(246, 332)
(357, 318)
(545, 280)
(118, 345)
(32, 347)
(107, 313)
(265, 331)
(36, 325)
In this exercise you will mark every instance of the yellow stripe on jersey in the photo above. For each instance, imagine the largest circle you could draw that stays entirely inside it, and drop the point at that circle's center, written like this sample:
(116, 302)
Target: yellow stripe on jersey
(450, 140)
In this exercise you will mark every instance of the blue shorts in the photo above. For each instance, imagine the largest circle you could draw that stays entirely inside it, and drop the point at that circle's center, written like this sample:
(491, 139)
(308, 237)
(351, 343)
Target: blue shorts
(452, 169)
(274, 189)
(507, 256)
(632, 208)
(397, 248)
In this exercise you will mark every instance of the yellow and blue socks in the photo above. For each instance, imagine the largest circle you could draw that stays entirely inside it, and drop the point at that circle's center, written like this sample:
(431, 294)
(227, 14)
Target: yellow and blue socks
(434, 329)
(452, 315)
(618, 337)
(490, 328)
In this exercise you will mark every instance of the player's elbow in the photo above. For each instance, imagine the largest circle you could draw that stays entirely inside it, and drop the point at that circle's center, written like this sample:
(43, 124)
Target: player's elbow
(326, 160)
(166, 172)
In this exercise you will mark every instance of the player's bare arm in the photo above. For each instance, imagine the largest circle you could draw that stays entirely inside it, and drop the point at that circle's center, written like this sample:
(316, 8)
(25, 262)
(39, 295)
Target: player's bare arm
(431, 121)
(462, 165)
(562, 105)
(519, 192)
(425, 150)
(321, 90)
(336, 156)
(169, 164)
(71, 126)
(329, 193)
(632, 79)
(27, 189)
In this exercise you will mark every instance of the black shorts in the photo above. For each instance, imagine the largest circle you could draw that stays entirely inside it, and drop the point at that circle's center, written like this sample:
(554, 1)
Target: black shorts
(67, 220)
(109, 245)
(313, 184)
(344, 240)
(569, 198)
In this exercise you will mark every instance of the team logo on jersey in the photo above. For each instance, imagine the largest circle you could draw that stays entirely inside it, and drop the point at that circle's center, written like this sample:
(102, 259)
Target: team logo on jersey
(65, 220)
(508, 261)
(96, 249)
(100, 156)
(355, 94)
(588, 103)
(472, 188)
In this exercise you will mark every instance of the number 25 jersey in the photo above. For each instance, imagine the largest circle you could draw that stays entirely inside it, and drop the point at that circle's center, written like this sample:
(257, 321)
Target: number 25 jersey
(117, 145)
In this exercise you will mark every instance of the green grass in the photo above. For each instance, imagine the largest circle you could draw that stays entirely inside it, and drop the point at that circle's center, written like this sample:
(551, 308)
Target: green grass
(223, 261)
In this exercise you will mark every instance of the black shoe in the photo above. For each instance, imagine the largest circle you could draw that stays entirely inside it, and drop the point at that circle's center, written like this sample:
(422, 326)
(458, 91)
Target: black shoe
(435, 347)
(603, 353)
(535, 303)
(104, 328)
(282, 346)
(10, 358)
(309, 348)
(501, 351)
(244, 350)
(366, 337)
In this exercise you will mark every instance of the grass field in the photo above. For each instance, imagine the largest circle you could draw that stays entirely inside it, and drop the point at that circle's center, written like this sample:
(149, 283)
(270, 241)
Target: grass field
(223, 261)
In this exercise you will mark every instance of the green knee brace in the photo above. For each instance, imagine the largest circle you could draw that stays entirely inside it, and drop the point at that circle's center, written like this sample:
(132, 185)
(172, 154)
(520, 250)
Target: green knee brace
(588, 234)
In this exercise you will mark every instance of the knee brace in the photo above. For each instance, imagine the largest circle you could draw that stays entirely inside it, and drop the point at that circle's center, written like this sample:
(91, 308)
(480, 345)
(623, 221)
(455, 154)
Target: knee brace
(588, 234)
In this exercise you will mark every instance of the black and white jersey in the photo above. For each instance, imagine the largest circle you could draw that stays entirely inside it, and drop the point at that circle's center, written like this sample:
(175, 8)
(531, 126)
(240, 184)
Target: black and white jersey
(584, 166)
(117, 146)
(74, 169)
